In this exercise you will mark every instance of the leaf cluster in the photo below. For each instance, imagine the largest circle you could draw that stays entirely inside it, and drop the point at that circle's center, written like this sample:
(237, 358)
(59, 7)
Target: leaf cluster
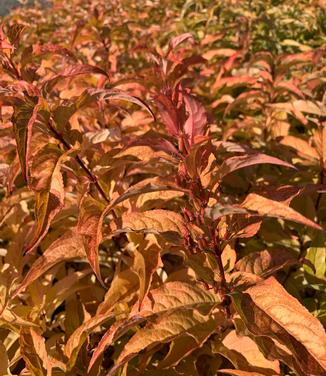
(162, 207)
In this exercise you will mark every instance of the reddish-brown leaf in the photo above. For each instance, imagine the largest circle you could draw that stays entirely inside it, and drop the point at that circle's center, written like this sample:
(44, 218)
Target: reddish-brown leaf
(90, 228)
(235, 163)
(197, 119)
(169, 114)
(176, 41)
(24, 118)
(47, 183)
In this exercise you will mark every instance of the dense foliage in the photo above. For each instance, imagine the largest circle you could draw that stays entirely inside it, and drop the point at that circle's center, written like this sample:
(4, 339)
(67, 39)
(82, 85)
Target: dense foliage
(162, 168)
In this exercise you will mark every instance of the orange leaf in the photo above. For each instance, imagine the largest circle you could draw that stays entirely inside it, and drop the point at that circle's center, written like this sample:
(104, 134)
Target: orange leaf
(262, 206)
(68, 246)
(48, 185)
(90, 228)
(268, 310)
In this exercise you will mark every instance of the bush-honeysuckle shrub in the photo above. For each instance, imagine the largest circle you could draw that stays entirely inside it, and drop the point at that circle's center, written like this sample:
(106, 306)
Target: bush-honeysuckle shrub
(162, 208)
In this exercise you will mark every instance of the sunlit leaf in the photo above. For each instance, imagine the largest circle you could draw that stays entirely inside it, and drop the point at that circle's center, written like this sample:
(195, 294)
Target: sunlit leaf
(67, 247)
(268, 310)
(265, 207)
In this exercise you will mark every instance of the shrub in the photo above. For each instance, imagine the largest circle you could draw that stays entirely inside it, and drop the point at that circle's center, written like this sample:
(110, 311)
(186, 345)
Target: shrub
(162, 208)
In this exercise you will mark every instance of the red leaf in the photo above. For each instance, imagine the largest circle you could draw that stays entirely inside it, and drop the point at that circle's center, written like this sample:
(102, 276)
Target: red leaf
(197, 119)
(235, 163)
(176, 41)
(168, 112)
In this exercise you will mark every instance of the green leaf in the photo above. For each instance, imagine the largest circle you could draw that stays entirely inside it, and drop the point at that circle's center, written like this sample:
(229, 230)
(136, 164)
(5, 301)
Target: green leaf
(316, 255)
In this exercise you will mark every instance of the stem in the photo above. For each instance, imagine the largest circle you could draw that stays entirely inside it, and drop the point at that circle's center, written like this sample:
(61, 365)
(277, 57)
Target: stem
(220, 267)
(218, 255)
(92, 177)
(225, 299)
(321, 181)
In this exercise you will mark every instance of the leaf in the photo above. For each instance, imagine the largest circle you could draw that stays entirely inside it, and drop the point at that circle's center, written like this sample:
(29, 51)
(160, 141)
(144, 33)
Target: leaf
(33, 350)
(67, 247)
(123, 285)
(219, 210)
(239, 226)
(232, 82)
(273, 349)
(89, 227)
(4, 361)
(175, 295)
(235, 163)
(153, 199)
(48, 185)
(301, 146)
(185, 344)
(169, 114)
(316, 255)
(290, 87)
(299, 106)
(244, 354)
(23, 119)
(267, 262)
(50, 48)
(268, 208)
(197, 119)
(146, 261)
(145, 186)
(170, 297)
(176, 41)
(156, 141)
(120, 95)
(72, 70)
(163, 330)
(156, 221)
(80, 335)
(268, 310)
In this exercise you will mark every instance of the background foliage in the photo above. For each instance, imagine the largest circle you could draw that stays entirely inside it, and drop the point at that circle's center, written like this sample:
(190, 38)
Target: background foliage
(162, 173)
